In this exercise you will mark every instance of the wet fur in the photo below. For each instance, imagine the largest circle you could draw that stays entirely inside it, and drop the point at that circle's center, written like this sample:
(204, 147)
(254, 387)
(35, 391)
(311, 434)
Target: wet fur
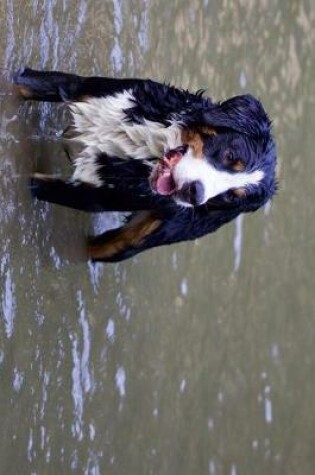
(119, 181)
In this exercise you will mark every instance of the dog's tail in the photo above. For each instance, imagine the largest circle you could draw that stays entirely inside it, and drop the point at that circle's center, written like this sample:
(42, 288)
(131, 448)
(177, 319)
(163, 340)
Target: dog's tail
(56, 86)
(46, 85)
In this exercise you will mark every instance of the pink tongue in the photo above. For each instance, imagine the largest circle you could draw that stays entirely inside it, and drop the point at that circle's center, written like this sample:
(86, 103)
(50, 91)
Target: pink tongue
(165, 184)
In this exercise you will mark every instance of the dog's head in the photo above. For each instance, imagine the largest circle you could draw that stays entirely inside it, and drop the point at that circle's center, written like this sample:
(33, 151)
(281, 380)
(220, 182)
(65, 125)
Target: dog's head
(227, 160)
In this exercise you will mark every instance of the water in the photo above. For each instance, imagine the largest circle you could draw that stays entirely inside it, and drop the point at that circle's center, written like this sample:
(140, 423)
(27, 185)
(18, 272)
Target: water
(192, 359)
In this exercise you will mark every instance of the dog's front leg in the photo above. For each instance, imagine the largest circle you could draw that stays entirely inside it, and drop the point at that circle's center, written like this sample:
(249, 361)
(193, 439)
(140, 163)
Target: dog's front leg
(122, 243)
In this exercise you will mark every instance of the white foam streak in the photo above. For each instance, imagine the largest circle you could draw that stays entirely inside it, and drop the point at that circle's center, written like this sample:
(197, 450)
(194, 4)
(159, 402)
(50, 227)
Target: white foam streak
(81, 378)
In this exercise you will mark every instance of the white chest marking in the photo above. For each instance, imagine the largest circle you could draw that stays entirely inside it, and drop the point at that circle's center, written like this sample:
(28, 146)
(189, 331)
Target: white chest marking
(101, 126)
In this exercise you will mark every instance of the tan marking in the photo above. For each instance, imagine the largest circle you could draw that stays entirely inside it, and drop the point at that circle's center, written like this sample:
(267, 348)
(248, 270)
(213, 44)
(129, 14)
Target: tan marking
(130, 235)
(238, 166)
(193, 138)
(83, 98)
(240, 192)
(43, 177)
(70, 133)
(205, 129)
(23, 91)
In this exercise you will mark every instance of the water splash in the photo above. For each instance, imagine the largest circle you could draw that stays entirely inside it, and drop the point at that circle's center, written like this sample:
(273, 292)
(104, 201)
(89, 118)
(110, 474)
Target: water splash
(116, 55)
(120, 380)
(8, 299)
(243, 80)
(184, 287)
(81, 377)
(238, 242)
(110, 330)
(18, 380)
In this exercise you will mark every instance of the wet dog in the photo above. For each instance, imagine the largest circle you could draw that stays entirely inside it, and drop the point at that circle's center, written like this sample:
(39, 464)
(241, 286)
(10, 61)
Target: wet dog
(181, 163)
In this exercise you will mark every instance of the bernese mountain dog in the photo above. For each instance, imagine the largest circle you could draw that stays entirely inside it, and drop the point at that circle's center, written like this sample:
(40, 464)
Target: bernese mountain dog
(182, 164)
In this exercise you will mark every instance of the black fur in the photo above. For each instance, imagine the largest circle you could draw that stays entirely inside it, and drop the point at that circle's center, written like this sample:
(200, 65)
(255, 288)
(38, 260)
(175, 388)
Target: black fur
(240, 120)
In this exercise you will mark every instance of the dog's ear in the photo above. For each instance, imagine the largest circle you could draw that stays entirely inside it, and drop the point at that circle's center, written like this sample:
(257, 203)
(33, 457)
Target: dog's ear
(244, 114)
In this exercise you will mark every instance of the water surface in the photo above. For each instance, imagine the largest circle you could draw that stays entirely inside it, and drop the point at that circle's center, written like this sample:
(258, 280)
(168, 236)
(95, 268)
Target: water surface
(192, 359)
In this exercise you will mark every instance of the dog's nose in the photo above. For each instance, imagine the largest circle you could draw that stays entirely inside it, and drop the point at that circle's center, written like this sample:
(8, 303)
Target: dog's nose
(193, 193)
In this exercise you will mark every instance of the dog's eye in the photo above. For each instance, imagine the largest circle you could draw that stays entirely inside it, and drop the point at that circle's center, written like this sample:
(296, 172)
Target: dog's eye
(233, 162)
(228, 156)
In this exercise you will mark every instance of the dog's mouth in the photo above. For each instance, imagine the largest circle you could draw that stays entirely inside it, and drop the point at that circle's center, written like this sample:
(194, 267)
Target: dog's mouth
(161, 179)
